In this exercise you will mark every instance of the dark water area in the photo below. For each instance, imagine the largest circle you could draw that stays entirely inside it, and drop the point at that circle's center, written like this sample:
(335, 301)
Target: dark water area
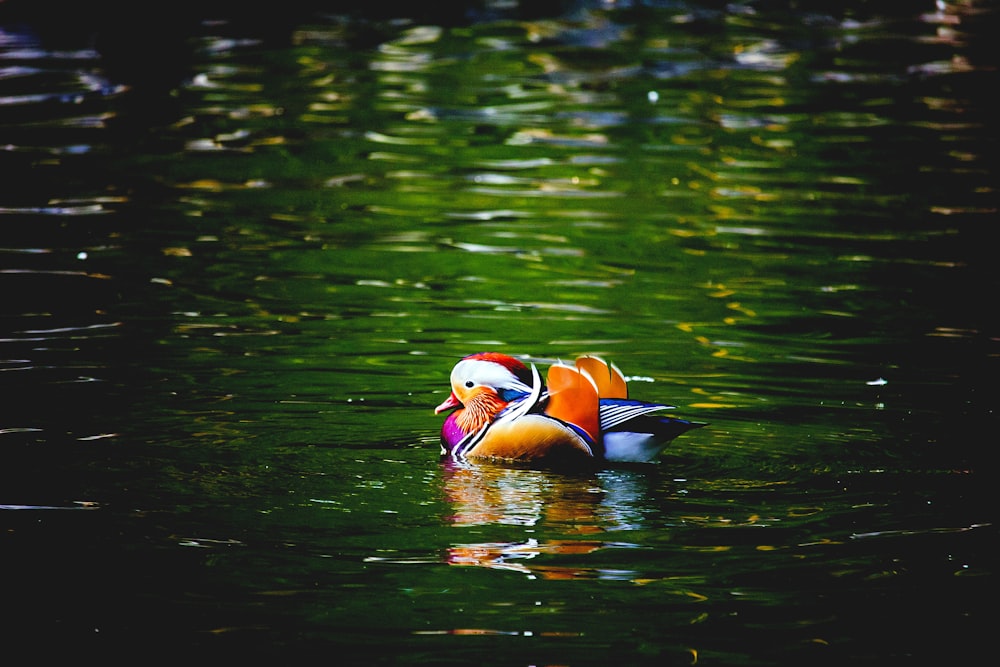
(240, 251)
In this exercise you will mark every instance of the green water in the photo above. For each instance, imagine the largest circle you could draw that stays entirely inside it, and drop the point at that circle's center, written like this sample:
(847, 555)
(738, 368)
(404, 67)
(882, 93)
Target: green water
(240, 254)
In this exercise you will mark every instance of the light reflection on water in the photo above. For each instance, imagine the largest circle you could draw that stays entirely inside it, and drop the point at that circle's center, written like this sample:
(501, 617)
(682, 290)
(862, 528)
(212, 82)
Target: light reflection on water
(233, 287)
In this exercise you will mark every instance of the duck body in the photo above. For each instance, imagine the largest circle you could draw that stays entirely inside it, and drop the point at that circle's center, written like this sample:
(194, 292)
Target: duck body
(503, 411)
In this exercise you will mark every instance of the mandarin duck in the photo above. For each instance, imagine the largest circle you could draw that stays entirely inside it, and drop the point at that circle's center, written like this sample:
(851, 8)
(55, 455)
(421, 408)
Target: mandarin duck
(502, 410)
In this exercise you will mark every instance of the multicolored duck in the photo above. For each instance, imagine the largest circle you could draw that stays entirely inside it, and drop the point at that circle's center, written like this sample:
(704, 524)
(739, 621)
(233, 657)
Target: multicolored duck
(505, 412)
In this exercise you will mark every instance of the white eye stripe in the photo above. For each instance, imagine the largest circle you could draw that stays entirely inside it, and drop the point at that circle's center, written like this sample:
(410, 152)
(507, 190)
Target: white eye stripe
(486, 373)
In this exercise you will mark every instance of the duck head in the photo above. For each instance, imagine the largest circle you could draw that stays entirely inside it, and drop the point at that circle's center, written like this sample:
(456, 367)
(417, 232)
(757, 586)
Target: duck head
(481, 386)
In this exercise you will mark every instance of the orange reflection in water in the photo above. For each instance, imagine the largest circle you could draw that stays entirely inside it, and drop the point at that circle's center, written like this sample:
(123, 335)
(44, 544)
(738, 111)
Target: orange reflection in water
(513, 556)
(574, 504)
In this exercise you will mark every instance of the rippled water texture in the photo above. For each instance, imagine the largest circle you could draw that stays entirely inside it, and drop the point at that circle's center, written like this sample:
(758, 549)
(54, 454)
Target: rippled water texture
(241, 249)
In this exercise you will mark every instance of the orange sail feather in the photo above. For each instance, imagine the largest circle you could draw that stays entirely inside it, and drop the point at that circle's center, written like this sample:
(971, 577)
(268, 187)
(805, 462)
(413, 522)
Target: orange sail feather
(610, 381)
(573, 398)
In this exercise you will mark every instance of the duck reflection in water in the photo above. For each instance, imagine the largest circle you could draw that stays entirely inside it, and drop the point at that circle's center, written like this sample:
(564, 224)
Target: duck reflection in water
(581, 506)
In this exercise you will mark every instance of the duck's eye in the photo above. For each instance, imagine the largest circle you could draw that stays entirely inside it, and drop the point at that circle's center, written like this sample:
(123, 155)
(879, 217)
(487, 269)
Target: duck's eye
(470, 384)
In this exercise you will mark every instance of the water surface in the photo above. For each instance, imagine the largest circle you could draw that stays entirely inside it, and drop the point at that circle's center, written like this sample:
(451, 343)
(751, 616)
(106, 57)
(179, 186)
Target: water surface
(235, 280)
